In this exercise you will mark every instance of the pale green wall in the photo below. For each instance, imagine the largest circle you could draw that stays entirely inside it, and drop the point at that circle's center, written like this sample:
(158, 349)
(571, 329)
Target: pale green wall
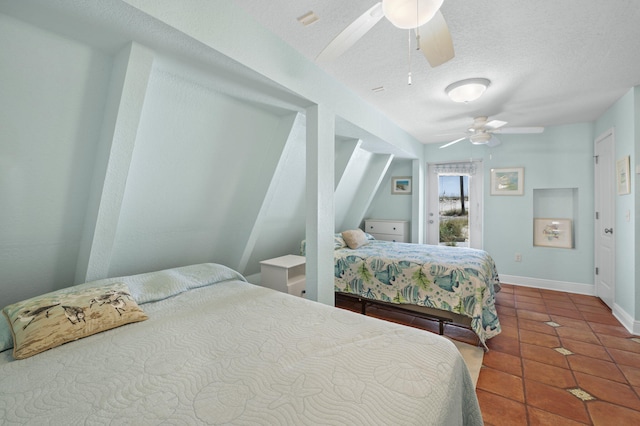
(386, 205)
(52, 94)
(561, 157)
(198, 176)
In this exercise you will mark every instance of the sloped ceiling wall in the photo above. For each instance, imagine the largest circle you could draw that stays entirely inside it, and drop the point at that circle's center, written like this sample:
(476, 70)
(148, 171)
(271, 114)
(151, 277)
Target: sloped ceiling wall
(51, 112)
(127, 162)
(198, 176)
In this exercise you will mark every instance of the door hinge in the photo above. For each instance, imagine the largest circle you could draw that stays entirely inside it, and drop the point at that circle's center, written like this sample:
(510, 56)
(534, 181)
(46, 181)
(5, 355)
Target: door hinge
(597, 215)
(597, 271)
(595, 157)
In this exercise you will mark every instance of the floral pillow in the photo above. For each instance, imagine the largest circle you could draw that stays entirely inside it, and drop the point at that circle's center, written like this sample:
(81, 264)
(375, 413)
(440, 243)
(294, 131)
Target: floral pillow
(50, 320)
(338, 241)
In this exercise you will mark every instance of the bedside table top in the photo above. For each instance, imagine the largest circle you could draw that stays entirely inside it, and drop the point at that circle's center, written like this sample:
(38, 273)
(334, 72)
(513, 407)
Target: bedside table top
(287, 261)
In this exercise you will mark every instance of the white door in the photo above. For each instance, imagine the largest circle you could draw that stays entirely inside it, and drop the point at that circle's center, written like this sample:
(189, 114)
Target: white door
(605, 217)
(475, 172)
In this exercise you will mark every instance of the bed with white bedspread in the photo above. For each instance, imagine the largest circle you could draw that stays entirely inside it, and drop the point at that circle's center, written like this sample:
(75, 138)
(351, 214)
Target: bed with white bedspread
(218, 350)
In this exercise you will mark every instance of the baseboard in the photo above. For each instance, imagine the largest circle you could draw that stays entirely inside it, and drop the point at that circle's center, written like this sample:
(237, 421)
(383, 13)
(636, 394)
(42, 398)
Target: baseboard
(620, 314)
(626, 320)
(569, 287)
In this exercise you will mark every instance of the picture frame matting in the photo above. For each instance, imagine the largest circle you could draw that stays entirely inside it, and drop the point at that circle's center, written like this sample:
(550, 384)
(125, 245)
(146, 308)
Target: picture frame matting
(553, 232)
(623, 181)
(507, 181)
(401, 185)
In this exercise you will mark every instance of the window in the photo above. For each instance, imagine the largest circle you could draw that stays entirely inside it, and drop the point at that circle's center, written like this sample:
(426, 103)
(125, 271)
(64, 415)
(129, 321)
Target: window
(447, 223)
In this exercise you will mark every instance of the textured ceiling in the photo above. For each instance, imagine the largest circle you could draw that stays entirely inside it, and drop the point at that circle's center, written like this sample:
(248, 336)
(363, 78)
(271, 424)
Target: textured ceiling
(550, 62)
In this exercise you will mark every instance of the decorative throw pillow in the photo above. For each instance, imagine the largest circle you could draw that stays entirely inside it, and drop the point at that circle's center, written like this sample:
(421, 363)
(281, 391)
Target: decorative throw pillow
(47, 321)
(6, 340)
(355, 238)
(338, 242)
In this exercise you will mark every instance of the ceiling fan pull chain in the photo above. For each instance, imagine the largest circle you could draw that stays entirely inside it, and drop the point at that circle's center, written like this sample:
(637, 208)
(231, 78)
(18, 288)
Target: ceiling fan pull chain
(417, 26)
(417, 42)
(409, 77)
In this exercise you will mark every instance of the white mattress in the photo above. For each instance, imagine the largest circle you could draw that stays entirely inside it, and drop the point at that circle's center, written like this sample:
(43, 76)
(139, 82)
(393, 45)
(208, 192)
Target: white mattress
(234, 353)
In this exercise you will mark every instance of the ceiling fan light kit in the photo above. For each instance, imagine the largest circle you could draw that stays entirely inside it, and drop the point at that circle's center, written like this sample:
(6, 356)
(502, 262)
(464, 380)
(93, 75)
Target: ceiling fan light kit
(409, 14)
(481, 138)
(432, 32)
(467, 90)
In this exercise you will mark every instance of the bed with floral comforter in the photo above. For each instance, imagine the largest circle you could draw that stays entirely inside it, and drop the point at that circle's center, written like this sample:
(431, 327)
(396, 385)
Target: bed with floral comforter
(454, 279)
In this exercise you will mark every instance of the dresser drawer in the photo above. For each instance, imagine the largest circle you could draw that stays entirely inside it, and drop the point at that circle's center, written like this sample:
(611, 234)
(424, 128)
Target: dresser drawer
(390, 237)
(385, 227)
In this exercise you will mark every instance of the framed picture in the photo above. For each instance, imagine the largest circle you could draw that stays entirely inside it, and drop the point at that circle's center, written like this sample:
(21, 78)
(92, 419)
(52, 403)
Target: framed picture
(622, 176)
(401, 185)
(508, 181)
(552, 232)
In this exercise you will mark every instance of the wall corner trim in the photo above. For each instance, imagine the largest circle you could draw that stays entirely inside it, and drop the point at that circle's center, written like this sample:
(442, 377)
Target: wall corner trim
(626, 320)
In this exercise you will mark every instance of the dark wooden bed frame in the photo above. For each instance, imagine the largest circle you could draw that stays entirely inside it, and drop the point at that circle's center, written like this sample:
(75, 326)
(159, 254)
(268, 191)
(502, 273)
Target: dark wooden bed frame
(443, 317)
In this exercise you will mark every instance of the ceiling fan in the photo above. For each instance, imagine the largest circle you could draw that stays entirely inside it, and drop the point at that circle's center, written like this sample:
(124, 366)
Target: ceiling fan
(423, 16)
(482, 132)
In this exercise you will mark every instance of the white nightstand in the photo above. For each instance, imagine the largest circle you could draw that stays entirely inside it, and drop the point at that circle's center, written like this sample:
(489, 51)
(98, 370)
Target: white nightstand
(284, 273)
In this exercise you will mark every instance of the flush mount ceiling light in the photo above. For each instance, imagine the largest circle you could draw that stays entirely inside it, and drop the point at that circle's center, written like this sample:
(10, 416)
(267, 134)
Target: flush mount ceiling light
(467, 90)
(410, 13)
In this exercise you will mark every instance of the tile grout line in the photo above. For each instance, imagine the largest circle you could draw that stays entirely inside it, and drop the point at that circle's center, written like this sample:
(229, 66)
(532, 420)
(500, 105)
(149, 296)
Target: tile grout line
(606, 348)
(576, 391)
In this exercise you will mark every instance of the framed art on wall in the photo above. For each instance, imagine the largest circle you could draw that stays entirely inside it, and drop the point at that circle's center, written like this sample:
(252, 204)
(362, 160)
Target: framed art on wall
(623, 182)
(508, 181)
(552, 233)
(401, 185)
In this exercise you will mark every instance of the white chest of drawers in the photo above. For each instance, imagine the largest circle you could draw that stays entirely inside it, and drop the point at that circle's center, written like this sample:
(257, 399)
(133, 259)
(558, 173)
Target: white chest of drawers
(388, 230)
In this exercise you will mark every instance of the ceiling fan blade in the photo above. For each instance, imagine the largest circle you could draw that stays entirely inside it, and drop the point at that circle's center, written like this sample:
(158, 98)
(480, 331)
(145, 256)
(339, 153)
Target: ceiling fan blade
(452, 142)
(350, 35)
(435, 41)
(519, 130)
(495, 124)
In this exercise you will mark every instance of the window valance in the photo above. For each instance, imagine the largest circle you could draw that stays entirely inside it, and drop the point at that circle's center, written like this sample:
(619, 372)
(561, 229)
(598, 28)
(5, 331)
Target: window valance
(466, 168)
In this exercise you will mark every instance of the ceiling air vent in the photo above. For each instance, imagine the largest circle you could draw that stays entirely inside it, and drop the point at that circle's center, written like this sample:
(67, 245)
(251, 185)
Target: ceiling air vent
(308, 18)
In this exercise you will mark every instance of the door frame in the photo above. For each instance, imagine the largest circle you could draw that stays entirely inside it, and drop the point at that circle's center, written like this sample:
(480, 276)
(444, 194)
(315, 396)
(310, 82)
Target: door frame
(604, 199)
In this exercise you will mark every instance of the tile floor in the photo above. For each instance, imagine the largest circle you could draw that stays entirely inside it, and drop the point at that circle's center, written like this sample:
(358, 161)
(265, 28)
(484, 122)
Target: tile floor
(561, 359)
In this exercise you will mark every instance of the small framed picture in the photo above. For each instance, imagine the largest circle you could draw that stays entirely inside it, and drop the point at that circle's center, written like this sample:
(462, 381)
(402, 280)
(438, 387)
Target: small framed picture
(622, 176)
(509, 181)
(552, 233)
(401, 185)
